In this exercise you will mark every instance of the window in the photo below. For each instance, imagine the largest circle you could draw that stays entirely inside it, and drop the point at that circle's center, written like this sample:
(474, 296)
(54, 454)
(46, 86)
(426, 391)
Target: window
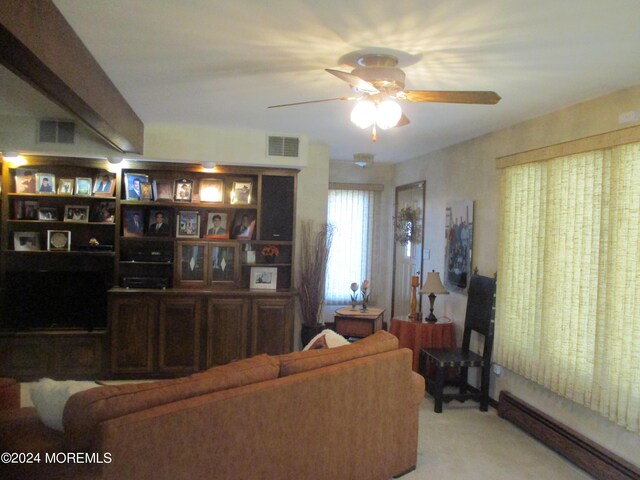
(351, 211)
(568, 303)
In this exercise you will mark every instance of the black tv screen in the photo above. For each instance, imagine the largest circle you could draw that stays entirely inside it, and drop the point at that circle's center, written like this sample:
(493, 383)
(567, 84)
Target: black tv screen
(50, 300)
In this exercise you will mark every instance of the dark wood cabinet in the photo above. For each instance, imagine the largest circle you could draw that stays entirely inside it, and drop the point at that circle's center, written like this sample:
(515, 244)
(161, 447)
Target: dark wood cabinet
(271, 326)
(179, 321)
(226, 334)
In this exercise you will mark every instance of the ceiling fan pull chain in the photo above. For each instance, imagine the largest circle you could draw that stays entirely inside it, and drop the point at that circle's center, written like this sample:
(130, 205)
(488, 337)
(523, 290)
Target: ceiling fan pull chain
(374, 134)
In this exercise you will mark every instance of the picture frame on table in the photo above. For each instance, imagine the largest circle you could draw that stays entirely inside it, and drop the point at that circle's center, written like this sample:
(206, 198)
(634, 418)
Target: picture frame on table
(211, 190)
(65, 186)
(188, 224)
(76, 213)
(132, 222)
(58, 240)
(104, 184)
(183, 190)
(132, 185)
(264, 278)
(26, 241)
(217, 225)
(47, 214)
(162, 190)
(223, 263)
(25, 180)
(241, 192)
(45, 183)
(192, 263)
(83, 186)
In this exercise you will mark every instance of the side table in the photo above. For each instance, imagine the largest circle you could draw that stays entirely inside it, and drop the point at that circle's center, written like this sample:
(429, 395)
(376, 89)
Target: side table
(358, 323)
(419, 335)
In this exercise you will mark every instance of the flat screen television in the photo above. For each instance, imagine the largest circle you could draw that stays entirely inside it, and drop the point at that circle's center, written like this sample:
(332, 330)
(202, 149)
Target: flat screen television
(55, 300)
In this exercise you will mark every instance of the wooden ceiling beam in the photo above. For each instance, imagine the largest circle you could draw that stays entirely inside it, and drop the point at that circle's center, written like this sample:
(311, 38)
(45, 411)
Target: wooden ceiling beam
(39, 45)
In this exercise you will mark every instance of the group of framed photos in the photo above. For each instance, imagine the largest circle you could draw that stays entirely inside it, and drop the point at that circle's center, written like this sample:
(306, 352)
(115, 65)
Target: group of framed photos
(57, 240)
(101, 212)
(211, 190)
(28, 182)
(158, 222)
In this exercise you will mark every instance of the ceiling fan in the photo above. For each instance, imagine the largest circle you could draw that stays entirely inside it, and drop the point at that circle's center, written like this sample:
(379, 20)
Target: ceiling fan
(378, 83)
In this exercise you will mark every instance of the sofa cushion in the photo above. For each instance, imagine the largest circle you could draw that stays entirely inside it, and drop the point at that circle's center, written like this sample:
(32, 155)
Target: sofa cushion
(50, 396)
(326, 339)
(297, 362)
(85, 410)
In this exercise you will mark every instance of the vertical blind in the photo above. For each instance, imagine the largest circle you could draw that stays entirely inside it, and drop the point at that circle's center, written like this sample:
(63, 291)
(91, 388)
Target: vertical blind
(568, 303)
(352, 213)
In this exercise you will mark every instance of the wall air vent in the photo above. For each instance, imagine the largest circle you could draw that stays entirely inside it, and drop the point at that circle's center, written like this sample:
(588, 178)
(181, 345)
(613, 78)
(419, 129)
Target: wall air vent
(56, 131)
(283, 146)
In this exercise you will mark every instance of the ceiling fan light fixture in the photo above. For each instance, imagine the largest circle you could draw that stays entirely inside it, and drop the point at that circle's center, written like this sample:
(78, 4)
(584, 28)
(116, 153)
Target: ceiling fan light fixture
(363, 114)
(388, 114)
(363, 160)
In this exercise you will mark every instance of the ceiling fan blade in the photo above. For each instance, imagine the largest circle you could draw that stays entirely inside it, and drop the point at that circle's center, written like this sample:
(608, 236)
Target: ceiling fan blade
(312, 101)
(486, 98)
(404, 120)
(354, 81)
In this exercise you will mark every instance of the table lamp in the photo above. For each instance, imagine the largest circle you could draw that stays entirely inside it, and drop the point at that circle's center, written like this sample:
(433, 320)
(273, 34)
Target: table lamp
(433, 286)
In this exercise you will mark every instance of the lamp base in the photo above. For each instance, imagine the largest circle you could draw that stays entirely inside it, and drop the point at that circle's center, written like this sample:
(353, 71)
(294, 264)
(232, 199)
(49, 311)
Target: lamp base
(431, 318)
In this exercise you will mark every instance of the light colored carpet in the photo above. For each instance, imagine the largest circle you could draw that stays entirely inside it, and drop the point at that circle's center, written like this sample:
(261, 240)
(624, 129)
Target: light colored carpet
(464, 443)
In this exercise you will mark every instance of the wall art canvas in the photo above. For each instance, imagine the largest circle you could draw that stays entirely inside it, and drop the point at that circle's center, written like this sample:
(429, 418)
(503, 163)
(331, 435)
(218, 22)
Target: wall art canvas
(459, 245)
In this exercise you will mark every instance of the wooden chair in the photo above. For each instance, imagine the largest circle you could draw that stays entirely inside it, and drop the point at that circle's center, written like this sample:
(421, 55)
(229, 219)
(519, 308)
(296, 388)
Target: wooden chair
(480, 317)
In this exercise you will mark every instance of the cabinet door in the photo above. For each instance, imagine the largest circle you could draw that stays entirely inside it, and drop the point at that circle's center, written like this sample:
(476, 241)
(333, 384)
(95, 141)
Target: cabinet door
(179, 334)
(227, 320)
(78, 355)
(132, 327)
(272, 326)
(25, 357)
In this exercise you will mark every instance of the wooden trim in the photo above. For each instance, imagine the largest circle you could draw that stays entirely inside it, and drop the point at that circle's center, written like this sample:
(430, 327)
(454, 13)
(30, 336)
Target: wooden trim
(586, 144)
(376, 187)
(586, 454)
(39, 45)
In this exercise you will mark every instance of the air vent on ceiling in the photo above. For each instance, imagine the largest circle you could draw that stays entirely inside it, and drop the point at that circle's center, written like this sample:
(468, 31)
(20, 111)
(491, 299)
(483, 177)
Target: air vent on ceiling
(56, 131)
(283, 146)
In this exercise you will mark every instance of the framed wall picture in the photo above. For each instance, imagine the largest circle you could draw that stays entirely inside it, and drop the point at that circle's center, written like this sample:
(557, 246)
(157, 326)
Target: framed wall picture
(104, 212)
(76, 213)
(244, 222)
(188, 224)
(459, 240)
(26, 241)
(65, 186)
(58, 240)
(211, 190)
(183, 190)
(47, 213)
(146, 191)
(162, 190)
(31, 208)
(265, 278)
(132, 222)
(223, 263)
(217, 225)
(104, 184)
(45, 183)
(159, 223)
(25, 180)
(83, 186)
(132, 182)
(192, 263)
(241, 193)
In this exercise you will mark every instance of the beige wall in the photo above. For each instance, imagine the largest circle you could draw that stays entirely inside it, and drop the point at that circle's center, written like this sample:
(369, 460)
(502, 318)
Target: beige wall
(467, 171)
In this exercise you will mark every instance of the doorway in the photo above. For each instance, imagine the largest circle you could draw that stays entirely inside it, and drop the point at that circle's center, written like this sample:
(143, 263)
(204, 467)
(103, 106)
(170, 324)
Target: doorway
(407, 259)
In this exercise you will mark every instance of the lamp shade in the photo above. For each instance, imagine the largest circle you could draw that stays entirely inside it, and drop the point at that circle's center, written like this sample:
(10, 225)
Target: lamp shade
(364, 113)
(388, 114)
(433, 284)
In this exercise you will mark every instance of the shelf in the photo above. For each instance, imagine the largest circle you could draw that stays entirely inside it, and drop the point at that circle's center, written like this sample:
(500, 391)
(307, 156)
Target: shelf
(148, 238)
(265, 264)
(169, 203)
(53, 195)
(136, 262)
(61, 252)
(59, 222)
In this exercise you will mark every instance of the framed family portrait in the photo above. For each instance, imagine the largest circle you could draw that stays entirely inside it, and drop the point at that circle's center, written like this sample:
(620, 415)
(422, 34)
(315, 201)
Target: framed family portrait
(244, 223)
(83, 186)
(159, 223)
(132, 185)
(223, 261)
(65, 186)
(183, 190)
(188, 224)
(241, 193)
(265, 278)
(26, 241)
(133, 222)
(45, 183)
(58, 240)
(104, 212)
(25, 180)
(192, 263)
(47, 213)
(104, 184)
(217, 225)
(76, 213)
(162, 190)
(211, 190)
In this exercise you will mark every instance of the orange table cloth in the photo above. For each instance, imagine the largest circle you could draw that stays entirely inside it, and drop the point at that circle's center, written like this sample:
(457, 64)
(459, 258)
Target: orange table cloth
(418, 335)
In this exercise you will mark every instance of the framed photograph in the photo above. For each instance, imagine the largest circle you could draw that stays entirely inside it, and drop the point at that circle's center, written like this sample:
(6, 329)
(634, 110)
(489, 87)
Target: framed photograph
(25, 180)
(459, 240)
(223, 261)
(47, 213)
(31, 210)
(18, 209)
(65, 186)
(58, 240)
(211, 190)
(192, 263)
(104, 212)
(183, 190)
(265, 278)
(244, 223)
(162, 190)
(26, 241)
(104, 184)
(146, 192)
(132, 222)
(188, 225)
(217, 225)
(45, 183)
(159, 223)
(132, 185)
(83, 186)
(241, 193)
(76, 213)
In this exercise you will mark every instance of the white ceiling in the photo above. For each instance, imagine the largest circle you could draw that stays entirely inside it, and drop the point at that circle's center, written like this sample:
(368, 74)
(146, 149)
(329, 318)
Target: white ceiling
(221, 63)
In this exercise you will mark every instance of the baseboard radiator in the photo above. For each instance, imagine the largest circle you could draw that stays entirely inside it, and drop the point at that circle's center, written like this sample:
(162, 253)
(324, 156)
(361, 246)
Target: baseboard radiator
(591, 457)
